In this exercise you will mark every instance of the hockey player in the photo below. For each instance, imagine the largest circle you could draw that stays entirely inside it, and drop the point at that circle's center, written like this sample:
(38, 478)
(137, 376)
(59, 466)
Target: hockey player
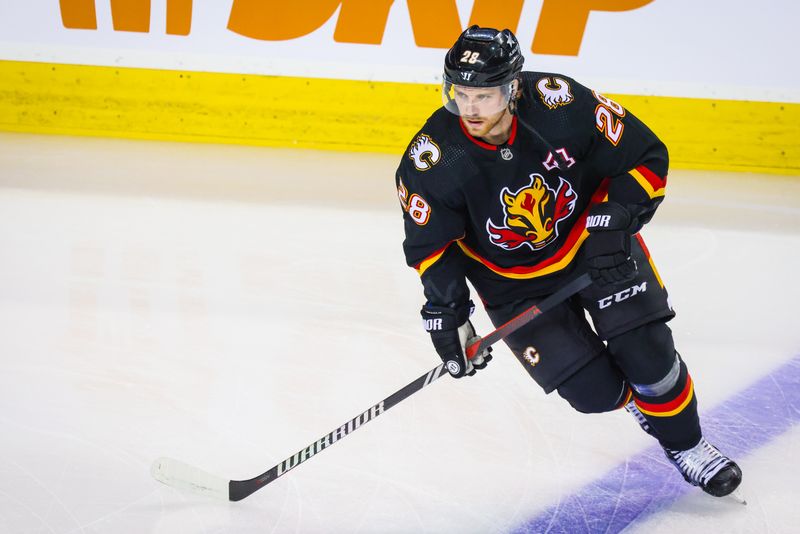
(519, 183)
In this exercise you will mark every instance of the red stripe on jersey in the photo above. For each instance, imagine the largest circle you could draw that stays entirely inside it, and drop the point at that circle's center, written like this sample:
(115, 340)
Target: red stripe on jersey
(655, 180)
(644, 247)
(423, 266)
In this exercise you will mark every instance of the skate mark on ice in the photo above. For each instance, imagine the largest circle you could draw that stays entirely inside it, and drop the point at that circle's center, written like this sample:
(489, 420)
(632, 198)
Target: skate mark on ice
(646, 483)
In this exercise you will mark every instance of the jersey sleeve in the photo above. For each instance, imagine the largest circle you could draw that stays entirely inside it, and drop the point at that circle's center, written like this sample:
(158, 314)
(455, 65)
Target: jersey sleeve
(434, 218)
(625, 150)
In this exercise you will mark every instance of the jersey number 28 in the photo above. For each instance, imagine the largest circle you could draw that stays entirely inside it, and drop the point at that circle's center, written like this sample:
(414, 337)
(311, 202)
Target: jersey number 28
(605, 120)
(417, 207)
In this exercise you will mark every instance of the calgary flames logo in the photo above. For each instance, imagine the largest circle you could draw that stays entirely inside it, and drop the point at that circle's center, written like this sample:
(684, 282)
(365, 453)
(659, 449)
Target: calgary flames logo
(424, 152)
(554, 92)
(532, 214)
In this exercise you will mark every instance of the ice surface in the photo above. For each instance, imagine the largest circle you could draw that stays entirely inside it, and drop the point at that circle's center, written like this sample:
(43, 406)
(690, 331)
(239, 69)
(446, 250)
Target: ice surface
(228, 306)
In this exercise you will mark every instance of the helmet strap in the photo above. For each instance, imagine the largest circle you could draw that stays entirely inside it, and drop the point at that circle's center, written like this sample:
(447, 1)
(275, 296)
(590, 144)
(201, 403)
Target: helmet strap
(514, 98)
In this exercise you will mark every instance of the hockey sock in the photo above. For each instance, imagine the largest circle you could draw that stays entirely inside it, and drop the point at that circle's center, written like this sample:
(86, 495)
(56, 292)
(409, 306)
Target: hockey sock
(626, 398)
(670, 406)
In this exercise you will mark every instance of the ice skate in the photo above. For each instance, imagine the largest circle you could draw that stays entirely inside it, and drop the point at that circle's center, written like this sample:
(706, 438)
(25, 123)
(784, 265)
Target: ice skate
(640, 418)
(703, 465)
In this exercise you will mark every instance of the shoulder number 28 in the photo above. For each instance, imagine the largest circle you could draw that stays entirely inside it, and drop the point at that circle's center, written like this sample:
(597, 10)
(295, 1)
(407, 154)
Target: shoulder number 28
(417, 207)
(605, 118)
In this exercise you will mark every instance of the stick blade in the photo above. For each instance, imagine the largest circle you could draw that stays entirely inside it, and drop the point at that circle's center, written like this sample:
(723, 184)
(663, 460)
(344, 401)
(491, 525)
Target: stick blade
(183, 476)
(737, 496)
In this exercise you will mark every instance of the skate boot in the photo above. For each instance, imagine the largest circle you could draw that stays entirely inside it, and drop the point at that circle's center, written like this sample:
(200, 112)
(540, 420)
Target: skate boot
(640, 418)
(703, 465)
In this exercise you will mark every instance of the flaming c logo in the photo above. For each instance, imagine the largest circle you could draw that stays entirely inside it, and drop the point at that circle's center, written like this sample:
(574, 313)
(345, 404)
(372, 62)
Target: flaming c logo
(424, 152)
(532, 214)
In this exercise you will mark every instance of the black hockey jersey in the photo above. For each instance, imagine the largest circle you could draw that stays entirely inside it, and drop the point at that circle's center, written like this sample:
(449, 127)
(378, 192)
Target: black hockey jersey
(512, 218)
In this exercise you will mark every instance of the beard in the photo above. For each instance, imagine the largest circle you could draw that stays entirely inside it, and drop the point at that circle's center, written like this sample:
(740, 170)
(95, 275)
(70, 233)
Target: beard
(487, 124)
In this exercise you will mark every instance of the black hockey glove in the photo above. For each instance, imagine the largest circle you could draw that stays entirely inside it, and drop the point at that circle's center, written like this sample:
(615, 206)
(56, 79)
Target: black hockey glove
(608, 247)
(451, 332)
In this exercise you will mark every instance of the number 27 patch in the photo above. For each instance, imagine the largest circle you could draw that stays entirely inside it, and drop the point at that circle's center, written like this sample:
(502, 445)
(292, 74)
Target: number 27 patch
(417, 207)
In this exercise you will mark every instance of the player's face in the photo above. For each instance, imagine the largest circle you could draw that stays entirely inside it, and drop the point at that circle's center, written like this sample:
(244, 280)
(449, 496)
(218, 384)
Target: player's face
(479, 102)
(482, 109)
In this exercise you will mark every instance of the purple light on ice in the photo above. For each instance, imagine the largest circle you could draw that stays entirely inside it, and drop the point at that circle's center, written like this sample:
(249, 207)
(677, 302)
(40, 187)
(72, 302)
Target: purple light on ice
(647, 483)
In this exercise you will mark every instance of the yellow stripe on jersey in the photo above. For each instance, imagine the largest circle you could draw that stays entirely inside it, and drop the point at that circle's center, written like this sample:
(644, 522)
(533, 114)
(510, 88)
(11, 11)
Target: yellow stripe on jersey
(425, 264)
(525, 273)
(655, 272)
(646, 185)
(649, 258)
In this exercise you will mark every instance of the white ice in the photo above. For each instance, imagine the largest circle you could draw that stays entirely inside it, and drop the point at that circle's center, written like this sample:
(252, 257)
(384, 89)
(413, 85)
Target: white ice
(228, 306)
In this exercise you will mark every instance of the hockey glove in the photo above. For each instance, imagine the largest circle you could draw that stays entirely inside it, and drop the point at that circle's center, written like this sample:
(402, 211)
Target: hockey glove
(451, 332)
(608, 247)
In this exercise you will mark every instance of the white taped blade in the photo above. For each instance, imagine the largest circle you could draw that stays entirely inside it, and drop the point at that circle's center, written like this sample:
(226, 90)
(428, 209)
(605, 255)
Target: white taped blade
(186, 477)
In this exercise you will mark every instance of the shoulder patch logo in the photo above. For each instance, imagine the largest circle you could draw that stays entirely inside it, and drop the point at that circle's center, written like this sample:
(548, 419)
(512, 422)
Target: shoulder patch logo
(554, 92)
(424, 152)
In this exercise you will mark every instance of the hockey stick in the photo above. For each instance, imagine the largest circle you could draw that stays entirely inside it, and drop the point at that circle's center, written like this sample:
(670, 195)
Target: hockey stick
(181, 475)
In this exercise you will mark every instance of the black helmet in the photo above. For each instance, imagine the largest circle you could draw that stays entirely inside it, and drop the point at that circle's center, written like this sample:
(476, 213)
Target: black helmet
(483, 57)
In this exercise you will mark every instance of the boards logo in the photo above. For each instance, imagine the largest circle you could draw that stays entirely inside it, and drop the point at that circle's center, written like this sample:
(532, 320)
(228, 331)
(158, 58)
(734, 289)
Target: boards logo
(560, 27)
(127, 15)
(532, 214)
(424, 152)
